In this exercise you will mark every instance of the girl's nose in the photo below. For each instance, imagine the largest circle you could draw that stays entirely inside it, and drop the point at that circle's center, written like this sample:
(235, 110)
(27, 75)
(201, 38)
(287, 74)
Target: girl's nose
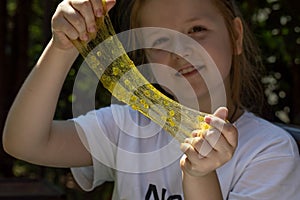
(181, 49)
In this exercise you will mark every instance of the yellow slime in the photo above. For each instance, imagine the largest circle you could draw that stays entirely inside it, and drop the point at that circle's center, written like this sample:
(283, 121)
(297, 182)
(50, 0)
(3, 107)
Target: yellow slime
(121, 77)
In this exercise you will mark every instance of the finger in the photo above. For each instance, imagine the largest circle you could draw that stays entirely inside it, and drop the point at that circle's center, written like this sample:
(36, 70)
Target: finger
(185, 164)
(74, 18)
(231, 135)
(109, 4)
(97, 7)
(184, 146)
(101, 7)
(227, 130)
(218, 119)
(221, 112)
(205, 148)
(86, 10)
(220, 144)
(198, 133)
(63, 29)
(222, 147)
(215, 122)
(190, 150)
(212, 136)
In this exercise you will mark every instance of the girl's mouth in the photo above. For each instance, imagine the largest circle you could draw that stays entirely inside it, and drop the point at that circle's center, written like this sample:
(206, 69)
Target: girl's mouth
(189, 70)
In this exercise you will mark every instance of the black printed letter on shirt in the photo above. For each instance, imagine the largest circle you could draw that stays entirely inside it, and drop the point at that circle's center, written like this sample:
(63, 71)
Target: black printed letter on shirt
(153, 190)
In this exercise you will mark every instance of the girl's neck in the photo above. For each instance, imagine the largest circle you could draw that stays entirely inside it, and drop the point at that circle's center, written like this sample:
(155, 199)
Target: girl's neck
(234, 110)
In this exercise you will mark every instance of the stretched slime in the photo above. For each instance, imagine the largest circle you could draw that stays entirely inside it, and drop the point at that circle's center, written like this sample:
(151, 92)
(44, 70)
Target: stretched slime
(106, 56)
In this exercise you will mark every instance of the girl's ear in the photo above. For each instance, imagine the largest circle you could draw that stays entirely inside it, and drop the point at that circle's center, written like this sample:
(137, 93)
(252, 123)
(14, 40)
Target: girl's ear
(239, 33)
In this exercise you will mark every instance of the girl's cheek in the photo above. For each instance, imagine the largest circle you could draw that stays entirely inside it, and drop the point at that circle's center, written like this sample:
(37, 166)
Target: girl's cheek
(221, 57)
(157, 55)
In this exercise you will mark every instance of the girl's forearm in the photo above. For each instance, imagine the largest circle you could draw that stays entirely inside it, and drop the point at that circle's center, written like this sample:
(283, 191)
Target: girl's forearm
(29, 120)
(206, 187)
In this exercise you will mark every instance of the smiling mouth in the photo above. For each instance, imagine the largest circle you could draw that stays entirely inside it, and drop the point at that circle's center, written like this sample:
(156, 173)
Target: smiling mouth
(189, 70)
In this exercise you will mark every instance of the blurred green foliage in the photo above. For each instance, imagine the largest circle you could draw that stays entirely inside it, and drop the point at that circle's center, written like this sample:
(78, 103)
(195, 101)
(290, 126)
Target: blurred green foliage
(276, 25)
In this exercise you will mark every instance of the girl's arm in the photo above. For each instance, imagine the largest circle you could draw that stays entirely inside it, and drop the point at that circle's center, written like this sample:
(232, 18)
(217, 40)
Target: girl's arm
(206, 187)
(204, 154)
(30, 133)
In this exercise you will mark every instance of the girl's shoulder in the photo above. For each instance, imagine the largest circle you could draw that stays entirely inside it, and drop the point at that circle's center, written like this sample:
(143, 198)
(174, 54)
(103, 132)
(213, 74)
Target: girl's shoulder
(251, 123)
(258, 134)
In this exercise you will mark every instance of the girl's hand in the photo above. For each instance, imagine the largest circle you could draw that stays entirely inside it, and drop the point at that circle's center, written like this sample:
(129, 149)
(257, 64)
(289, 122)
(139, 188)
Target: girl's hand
(205, 154)
(75, 19)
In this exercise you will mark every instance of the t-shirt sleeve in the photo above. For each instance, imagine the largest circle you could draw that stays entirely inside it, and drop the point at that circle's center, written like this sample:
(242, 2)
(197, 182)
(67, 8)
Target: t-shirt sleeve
(273, 173)
(94, 134)
(276, 178)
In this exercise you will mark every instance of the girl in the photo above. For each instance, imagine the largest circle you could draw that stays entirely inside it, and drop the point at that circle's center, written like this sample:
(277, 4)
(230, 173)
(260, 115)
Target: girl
(109, 144)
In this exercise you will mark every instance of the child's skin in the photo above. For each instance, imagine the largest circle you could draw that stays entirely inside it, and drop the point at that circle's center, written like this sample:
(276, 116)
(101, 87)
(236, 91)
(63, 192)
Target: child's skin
(31, 134)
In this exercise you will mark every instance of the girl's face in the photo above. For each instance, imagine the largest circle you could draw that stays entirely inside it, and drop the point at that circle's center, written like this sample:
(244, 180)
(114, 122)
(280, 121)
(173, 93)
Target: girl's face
(198, 19)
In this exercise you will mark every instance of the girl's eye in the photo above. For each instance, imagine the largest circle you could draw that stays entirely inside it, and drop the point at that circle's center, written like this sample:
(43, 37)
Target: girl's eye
(197, 29)
(159, 41)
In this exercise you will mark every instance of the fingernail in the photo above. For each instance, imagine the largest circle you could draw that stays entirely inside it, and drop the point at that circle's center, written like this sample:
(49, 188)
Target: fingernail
(84, 37)
(188, 140)
(196, 132)
(92, 29)
(98, 13)
(207, 119)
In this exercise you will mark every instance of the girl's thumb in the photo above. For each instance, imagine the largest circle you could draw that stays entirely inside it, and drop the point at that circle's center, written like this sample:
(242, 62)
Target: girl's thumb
(222, 113)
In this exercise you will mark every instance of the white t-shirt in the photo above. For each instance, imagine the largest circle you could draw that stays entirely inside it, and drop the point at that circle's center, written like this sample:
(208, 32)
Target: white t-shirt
(143, 160)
